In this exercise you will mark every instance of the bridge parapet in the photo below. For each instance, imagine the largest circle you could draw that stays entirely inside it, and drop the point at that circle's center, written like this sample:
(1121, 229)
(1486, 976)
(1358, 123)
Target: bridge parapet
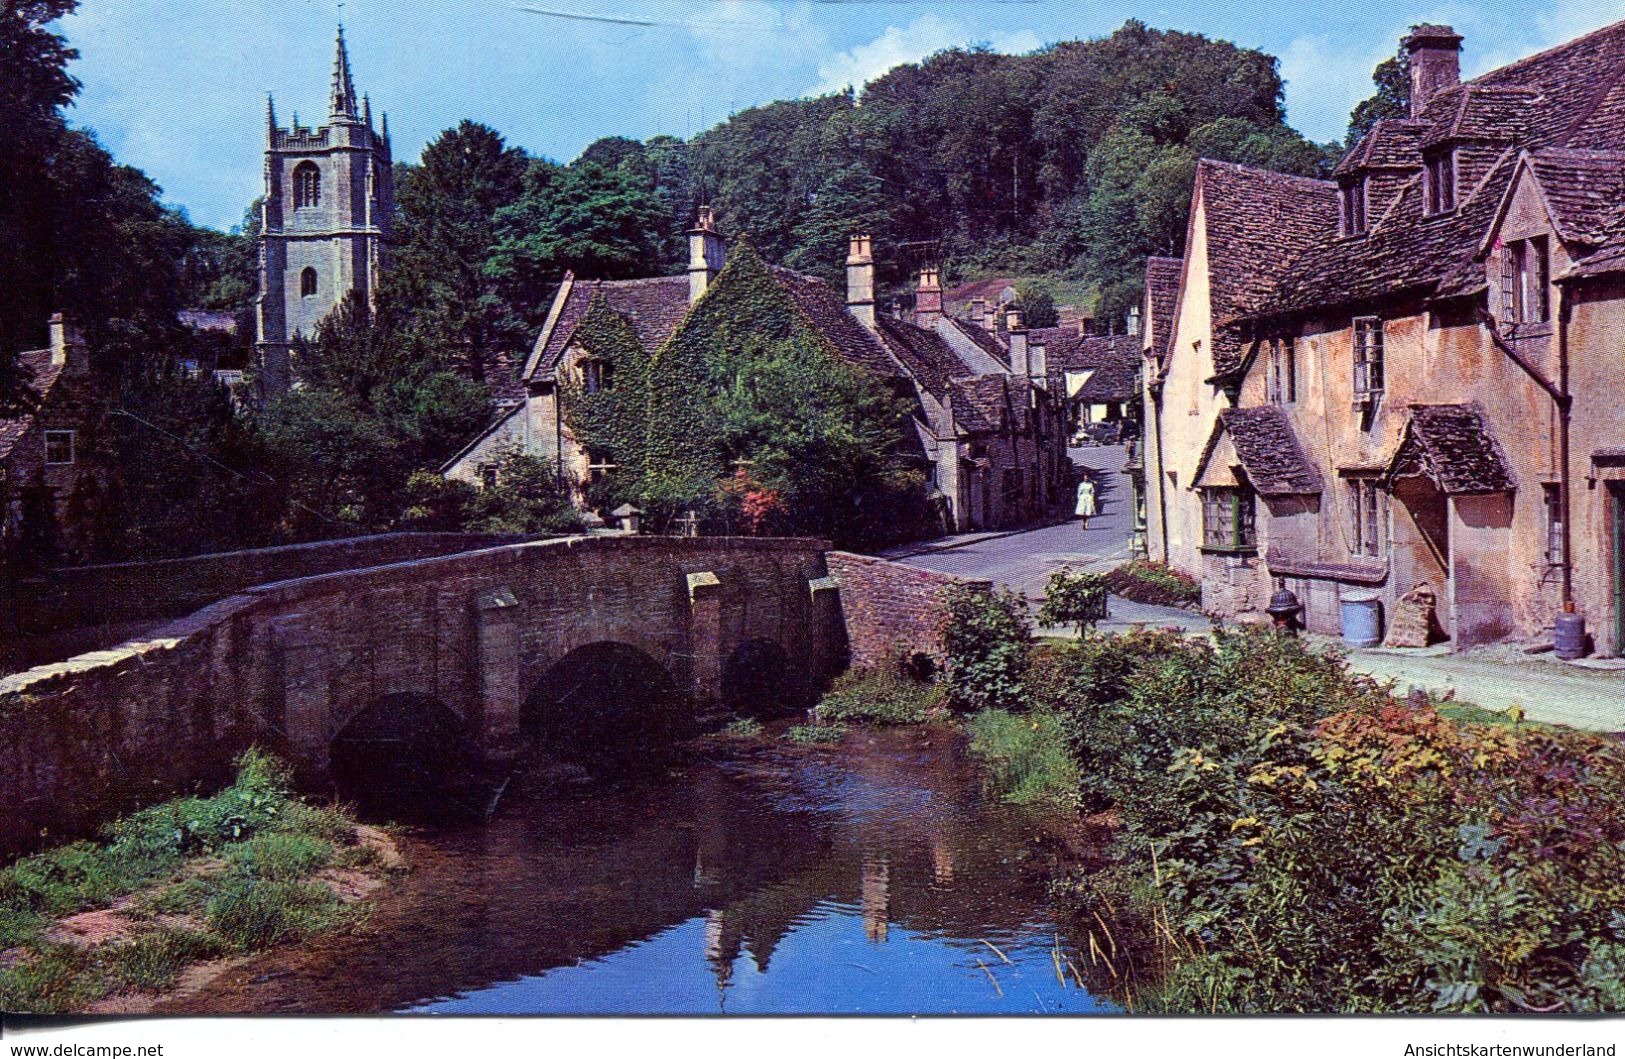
(290, 664)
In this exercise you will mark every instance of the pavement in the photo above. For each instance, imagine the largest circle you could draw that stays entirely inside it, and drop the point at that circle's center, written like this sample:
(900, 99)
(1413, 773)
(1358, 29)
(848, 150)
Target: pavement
(1498, 678)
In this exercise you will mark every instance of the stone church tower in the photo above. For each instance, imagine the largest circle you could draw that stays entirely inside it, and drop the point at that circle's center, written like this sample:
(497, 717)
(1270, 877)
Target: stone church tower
(329, 197)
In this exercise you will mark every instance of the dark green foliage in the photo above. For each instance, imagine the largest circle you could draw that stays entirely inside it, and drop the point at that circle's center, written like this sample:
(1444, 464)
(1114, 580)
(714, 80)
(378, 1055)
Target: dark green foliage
(881, 697)
(986, 638)
(1296, 840)
(815, 734)
(251, 914)
(1073, 598)
(1144, 581)
(1392, 78)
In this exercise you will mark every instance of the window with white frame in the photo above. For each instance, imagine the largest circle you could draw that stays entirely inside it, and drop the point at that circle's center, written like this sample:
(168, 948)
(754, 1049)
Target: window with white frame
(1368, 517)
(1526, 280)
(1368, 356)
(1282, 378)
(58, 448)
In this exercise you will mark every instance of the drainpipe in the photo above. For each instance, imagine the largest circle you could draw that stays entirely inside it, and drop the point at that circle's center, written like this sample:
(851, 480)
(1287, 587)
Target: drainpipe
(1564, 402)
(1162, 479)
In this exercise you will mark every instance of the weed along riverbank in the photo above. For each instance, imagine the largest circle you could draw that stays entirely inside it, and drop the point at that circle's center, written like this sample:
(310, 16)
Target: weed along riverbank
(1289, 837)
(171, 896)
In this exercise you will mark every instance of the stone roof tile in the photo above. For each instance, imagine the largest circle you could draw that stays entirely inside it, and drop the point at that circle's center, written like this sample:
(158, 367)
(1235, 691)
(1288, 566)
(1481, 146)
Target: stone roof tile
(1454, 445)
(1269, 451)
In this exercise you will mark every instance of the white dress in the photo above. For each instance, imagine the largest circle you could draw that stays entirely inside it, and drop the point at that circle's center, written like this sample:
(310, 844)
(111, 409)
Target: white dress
(1086, 500)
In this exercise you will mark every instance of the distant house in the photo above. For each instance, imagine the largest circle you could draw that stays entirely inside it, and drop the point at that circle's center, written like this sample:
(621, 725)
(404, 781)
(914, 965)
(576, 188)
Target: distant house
(50, 457)
(1410, 375)
(980, 299)
(984, 418)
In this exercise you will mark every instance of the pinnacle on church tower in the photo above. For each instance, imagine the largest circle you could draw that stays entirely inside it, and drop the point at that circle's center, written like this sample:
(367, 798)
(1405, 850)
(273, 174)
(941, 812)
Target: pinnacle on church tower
(343, 88)
(270, 119)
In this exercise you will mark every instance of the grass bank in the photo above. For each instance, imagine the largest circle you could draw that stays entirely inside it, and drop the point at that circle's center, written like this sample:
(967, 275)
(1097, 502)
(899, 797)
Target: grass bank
(178, 885)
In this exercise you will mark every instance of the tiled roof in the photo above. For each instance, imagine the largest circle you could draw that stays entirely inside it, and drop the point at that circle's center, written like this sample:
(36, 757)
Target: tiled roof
(1061, 344)
(826, 311)
(1111, 383)
(1162, 276)
(1585, 191)
(654, 307)
(923, 354)
(1392, 143)
(991, 342)
(1257, 221)
(1570, 97)
(985, 404)
(1269, 451)
(1454, 445)
(42, 379)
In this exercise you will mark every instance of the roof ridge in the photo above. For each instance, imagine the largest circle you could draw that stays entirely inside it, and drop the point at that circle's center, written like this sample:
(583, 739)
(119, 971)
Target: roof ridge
(1529, 60)
(1216, 163)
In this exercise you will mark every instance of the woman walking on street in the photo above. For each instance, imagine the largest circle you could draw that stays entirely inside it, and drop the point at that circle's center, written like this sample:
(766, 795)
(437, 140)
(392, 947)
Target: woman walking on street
(1086, 501)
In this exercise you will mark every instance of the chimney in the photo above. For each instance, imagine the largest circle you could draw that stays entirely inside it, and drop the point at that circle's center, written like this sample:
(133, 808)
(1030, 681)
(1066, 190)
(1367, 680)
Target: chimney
(1019, 364)
(705, 254)
(990, 317)
(860, 281)
(1134, 320)
(1038, 364)
(978, 310)
(1086, 325)
(1434, 53)
(928, 299)
(68, 350)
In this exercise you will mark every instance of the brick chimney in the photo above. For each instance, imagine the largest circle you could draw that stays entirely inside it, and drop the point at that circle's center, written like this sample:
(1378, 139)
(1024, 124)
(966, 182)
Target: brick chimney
(68, 349)
(860, 280)
(705, 254)
(928, 299)
(1435, 61)
(1016, 326)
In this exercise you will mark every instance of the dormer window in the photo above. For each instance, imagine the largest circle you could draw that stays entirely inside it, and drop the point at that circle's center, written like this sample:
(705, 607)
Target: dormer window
(1526, 279)
(1353, 203)
(1439, 182)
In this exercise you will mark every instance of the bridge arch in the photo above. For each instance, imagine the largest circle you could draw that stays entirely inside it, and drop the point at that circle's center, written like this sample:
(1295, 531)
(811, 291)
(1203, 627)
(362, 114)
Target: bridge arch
(607, 704)
(403, 750)
(759, 680)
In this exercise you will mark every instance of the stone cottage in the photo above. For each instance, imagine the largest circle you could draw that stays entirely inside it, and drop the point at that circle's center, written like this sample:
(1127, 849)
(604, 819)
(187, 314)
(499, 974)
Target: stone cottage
(984, 419)
(1410, 375)
(48, 454)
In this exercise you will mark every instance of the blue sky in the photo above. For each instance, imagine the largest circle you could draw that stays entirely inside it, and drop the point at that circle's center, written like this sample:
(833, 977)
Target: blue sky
(177, 87)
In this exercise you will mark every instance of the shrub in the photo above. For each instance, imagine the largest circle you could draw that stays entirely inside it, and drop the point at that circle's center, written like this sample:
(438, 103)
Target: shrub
(1144, 581)
(744, 728)
(1073, 599)
(279, 857)
(986, 637)
(881, 697)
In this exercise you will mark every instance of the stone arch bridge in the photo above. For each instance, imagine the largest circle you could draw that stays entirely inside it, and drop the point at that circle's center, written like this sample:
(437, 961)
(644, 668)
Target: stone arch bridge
(483, 641)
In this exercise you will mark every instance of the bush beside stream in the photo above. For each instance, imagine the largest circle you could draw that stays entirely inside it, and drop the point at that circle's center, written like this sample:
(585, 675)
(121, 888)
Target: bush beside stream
(1292, 838)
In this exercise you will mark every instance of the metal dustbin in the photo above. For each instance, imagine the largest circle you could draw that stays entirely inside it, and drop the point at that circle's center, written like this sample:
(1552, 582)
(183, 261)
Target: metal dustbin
(1362, 618)
(1569, 636)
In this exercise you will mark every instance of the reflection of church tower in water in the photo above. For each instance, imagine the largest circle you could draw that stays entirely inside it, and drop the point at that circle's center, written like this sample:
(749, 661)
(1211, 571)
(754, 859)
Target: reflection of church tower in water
(876, 897)
(329, 197)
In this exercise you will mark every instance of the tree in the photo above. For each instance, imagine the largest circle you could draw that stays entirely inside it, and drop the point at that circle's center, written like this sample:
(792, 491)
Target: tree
(448, 205)
(1392, 99)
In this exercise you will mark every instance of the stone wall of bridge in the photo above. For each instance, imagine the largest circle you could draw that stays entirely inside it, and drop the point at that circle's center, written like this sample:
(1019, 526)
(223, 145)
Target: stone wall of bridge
(288, 665)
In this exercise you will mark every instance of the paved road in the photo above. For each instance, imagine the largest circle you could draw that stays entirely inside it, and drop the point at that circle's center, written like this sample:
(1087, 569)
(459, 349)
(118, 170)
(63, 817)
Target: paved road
(1024, 561)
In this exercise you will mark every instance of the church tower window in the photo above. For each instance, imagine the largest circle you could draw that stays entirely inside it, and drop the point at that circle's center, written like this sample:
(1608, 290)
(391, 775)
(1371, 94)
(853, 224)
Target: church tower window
(307, 283)
(307, 185)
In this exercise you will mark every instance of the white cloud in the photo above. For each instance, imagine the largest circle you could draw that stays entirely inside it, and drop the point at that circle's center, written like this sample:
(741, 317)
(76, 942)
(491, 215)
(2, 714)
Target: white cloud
(1324, 81)
(927, 34)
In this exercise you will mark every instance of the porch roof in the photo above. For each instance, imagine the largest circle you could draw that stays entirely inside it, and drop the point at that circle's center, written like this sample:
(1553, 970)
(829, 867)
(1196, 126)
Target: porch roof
(1455, 446)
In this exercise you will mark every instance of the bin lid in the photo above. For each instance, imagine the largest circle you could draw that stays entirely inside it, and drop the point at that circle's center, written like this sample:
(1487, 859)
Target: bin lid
(1361, 597)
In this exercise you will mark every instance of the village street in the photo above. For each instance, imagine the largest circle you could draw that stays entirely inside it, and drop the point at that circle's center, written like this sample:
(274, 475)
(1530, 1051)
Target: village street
(1581, 696)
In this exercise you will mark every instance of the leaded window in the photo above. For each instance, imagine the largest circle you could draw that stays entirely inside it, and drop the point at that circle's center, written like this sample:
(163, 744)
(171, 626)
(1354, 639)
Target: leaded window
(1229, 519)
(1368, 356)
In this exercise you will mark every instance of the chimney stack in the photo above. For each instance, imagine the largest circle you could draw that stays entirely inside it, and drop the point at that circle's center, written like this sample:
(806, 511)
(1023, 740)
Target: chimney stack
(68, 350)
(860, 280)
(705, 254)
(1013, 322)
(928, 299)
(1435, 61)
(1134, 320)
(1038, 364)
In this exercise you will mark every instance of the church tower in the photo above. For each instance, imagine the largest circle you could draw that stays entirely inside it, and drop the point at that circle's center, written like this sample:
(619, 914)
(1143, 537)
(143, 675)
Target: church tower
(329, 197)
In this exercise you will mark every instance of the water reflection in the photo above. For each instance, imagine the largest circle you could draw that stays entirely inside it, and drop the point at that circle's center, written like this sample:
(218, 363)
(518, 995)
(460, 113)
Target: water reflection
(873, 878)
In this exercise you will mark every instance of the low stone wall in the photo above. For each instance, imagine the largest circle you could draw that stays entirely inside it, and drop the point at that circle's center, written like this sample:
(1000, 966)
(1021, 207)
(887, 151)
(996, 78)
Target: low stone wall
(891, 609)
(116, 593)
